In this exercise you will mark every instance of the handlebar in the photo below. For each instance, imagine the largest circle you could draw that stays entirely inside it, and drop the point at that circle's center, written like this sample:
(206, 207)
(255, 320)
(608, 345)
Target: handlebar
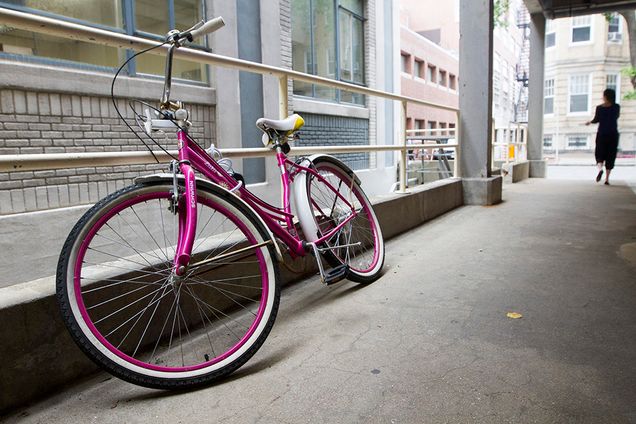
(174, 37)
(206, 28)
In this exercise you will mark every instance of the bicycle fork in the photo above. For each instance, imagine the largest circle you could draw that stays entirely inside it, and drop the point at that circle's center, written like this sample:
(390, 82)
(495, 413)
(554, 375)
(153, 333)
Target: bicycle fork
(186, 208)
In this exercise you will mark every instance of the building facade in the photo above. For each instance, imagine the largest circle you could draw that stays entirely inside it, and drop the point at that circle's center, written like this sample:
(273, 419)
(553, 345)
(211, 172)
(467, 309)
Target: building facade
(584, 56)
(439, 22)
(55, 93)
(428, 72)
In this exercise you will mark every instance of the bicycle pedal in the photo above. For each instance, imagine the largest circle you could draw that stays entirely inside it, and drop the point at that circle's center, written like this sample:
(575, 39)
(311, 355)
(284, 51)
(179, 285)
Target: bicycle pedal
(335, 274)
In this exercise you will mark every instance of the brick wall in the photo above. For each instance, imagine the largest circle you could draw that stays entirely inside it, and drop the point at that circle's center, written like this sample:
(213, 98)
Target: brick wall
(324, 130)
(33, 122)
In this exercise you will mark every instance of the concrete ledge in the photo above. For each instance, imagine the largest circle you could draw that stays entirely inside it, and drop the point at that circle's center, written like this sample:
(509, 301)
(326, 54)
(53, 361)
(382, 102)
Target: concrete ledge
(538, 168)
(421, 204)
(520, 171)
(39, 356)
(482, 191)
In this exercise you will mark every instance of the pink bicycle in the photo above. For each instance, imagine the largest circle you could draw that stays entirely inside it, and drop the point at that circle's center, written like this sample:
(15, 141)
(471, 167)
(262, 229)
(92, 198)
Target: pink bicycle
(173, 282)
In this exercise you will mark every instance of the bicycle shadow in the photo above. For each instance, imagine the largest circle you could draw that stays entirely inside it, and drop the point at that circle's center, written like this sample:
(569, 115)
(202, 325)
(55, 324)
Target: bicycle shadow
(305, 296)
(253, 366)
(299, 298)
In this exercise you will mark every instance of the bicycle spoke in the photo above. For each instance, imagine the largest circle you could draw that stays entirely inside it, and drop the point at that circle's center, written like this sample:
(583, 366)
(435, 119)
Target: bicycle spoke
(203, 316)
(147, 230)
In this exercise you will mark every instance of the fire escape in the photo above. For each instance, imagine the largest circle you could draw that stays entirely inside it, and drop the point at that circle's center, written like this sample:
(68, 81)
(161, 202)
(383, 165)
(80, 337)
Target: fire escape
(523, 66)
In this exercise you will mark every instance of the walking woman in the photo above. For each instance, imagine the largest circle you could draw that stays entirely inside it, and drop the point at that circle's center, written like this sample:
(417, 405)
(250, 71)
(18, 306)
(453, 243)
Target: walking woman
(606, 117)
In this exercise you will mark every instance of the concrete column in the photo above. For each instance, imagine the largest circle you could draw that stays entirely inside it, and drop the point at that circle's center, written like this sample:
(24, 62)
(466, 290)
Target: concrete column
(475, 102)
(535, 96)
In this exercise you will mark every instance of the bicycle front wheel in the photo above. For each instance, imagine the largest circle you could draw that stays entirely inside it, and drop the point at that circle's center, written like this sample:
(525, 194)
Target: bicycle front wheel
(324, 204)
(131, 314)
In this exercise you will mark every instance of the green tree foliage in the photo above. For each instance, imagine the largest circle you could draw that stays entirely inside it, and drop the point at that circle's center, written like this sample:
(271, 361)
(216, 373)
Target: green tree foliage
(501, 8)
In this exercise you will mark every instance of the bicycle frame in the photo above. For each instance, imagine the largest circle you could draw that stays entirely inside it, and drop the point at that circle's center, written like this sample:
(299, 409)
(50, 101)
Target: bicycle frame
(278, 219)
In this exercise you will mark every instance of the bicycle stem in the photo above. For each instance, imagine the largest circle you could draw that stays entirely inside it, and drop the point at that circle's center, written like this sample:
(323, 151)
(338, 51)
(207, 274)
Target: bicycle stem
(165, 98)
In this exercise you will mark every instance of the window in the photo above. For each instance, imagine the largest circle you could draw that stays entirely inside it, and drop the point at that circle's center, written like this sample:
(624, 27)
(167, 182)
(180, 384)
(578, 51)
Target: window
(442, 125)
(547, 141)
(150, 21)
(452, 82)
(578, 141)
(432, 74)
(579, 93)
(550, 34)
(548, 97)
(581, 29)
(613, 81)
(420, 68)
(432, 125)
(406, 63)
(442, 78)
(328, 41)
(419, 124)
(614, 29)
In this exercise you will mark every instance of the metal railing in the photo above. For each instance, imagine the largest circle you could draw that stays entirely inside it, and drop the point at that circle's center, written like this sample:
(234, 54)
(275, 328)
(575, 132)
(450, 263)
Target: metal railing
(74, 31)
(509, 144)
(420, 160)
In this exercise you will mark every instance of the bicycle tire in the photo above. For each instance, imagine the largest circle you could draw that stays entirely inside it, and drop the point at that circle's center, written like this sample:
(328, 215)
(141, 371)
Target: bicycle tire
(73, 269)
(308, 206)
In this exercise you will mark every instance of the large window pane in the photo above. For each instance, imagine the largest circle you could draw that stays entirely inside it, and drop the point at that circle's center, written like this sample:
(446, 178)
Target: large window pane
(548, 107)
(578, 103)
(27, 44)
(346, 58)
(579, 93)
(580, 34)
(152, 16)
(103, 12)
(581, 29)
(301, 44)
(314, 35)
(186, 14)
(358, 51)
(324, 45)
(155, 65)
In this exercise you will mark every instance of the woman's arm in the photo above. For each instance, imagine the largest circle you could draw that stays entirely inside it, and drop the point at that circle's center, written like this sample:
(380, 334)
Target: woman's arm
(595, 119)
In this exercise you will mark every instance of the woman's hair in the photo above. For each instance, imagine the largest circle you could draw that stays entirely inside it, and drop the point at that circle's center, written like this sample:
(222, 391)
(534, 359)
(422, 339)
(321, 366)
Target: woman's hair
(610, 94)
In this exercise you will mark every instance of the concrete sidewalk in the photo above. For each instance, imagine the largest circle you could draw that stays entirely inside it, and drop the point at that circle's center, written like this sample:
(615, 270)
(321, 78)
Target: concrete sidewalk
(430, 340)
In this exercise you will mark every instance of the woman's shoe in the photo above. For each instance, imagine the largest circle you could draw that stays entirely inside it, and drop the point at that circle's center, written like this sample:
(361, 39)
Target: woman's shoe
(599, 176)
(607, 183)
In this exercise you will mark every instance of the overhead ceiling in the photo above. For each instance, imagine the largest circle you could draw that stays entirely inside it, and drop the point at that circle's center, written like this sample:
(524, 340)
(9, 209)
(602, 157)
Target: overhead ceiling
(562, 8)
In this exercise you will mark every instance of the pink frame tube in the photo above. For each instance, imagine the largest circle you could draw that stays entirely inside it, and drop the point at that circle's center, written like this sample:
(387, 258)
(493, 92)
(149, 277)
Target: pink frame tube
(192, 157)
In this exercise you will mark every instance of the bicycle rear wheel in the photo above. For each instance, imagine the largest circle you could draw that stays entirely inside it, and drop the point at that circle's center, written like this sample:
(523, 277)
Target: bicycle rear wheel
(127, 310)
(359, 243)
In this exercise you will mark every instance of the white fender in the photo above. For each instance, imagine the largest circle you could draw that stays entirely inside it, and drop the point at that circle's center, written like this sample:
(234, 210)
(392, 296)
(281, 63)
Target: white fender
(304, 211)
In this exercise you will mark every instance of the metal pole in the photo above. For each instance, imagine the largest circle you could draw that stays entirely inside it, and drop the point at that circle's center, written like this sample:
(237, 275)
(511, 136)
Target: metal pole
(403, 152)
(283, 96)
(458, 149)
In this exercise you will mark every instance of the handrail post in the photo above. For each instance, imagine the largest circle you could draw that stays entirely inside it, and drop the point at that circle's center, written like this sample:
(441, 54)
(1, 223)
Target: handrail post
(458, 148)
(403, 151)
(283, 96)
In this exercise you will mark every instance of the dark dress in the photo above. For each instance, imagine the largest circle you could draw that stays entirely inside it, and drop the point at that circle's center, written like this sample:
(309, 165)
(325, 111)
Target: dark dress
(607, 134)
